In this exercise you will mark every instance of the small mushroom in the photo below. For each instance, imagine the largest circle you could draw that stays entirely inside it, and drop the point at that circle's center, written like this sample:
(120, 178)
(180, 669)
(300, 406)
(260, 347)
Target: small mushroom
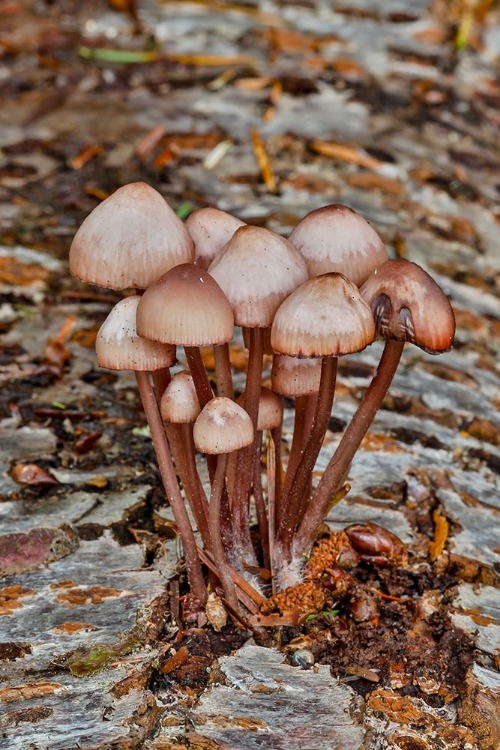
(221, 428)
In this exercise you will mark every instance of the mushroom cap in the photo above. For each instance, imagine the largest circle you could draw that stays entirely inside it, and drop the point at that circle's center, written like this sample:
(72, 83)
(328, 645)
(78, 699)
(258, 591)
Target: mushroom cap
(185, 306)
(129, 240)
(337, 238)
(257, 269)
(408, 305)
(179, 403)
(325, 316)
(292, 376)
(210, 229)
(270, 413)
(222, 427)
(119, 347)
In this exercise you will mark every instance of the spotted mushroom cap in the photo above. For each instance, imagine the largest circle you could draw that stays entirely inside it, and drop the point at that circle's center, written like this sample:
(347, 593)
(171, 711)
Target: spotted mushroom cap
(185, 306)
(325, 316)
(210, 229)
(223, 426)
(256, 270)
(129, 240)
(337, 238)
(119, 347)
(408, 305)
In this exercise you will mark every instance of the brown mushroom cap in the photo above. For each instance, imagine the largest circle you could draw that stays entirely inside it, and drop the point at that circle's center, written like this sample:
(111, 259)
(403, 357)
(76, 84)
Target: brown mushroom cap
(257, 269)
(185, 306)
(325, 316)
(119, 347)
(408, 305)
(270, 413)
(222, 427)
(179, 403)
(129, 240)
(210, 229)
(292, 376)
(337, 238)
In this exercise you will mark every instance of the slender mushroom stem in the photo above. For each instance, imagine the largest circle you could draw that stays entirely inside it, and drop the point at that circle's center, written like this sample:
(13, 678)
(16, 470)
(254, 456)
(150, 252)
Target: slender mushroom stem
(161, 378)
(341, 459)
(260, 507)
(292, 502)
(214, 522)
(200, 377)
(223, 375)
(244, 468)
(271, 504)
(277, 489)
(181, 442)
(169, 479)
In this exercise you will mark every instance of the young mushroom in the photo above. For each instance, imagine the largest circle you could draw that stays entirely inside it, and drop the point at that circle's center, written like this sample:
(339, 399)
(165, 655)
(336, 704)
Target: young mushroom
(221, 428)
(407, 305)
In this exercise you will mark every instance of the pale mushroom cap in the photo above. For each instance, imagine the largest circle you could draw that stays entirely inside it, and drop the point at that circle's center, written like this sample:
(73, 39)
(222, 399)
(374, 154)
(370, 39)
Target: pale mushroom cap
(185, 306)
(292, 376)
(179, 403)
(325, 316)
(257, 270)
(119, 347)
(222, 427)
(336, 238)
(408, 305)
(270, 413)
(129, 240)
(210, 229)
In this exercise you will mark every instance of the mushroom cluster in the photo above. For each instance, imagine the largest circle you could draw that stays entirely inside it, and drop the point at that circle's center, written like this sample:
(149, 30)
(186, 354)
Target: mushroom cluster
(327, 291)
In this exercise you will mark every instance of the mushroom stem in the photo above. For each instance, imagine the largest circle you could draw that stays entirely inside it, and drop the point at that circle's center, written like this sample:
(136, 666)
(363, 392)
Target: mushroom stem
(341, 459)
(161, 378)
(260, 506)
(292, 502)
(214, 522)
(180, 438)
(244, 467)
(305, 407)
(200, 377)
(169, 479)
(223, 375)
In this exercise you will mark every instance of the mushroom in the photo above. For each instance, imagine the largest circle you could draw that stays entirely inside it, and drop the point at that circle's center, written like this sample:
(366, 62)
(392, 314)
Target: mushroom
(325, 317)
(221, 428)
(186, 306)
(119, 347)
(257, 269)
(336, 238)
(407, 305)
(210, 229)
(129, 240)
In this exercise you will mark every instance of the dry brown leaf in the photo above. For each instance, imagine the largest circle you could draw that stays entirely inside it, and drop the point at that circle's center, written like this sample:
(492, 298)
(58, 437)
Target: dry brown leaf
(374, 181)
(341, 152)
(31, 474)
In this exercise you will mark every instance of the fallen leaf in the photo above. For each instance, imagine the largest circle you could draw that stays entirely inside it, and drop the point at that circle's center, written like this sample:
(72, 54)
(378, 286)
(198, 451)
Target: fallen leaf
(31, 474)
